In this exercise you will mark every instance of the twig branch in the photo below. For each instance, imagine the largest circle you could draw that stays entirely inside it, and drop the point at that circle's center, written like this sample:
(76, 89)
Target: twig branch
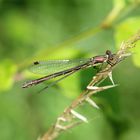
(70, 118)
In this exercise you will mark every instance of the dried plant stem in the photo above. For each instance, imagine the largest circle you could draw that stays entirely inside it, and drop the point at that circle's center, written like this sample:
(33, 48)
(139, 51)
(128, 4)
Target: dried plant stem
(70, 118)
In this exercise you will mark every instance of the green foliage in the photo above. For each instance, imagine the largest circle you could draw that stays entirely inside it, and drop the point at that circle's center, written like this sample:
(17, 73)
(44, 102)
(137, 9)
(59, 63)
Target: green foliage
(7, 72)
(124, 29)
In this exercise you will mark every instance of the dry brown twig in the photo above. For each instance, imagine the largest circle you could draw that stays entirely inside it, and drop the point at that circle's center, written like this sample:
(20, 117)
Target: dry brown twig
(70, 118)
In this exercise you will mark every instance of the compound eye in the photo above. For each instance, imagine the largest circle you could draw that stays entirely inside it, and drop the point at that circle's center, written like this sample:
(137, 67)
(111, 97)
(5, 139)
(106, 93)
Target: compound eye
(108, 52)
(110, 55)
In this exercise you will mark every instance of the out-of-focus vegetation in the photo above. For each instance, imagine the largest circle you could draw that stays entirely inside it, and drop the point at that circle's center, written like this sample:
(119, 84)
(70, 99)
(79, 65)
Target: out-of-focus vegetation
(58, 29)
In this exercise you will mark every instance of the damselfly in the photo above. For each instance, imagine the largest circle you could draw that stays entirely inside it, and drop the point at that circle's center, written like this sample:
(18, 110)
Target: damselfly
(56, 68)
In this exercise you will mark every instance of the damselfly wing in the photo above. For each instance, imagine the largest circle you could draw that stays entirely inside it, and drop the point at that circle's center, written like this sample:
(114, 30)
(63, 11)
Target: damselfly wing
(52, 66)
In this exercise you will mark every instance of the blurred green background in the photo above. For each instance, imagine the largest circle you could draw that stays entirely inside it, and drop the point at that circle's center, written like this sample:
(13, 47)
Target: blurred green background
(33, 30)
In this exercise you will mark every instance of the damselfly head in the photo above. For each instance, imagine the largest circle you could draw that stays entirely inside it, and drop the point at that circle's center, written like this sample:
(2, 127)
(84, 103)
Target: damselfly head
(109, 54)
